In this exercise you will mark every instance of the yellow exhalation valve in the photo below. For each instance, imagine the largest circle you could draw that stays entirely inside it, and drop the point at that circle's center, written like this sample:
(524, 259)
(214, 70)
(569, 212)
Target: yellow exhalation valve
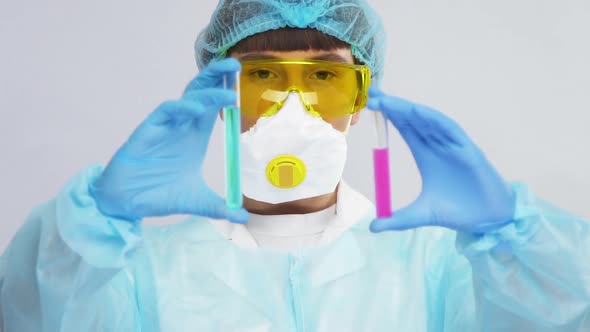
(286, 172)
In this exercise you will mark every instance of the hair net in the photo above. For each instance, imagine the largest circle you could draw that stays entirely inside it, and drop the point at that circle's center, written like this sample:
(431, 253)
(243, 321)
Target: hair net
(351, 21)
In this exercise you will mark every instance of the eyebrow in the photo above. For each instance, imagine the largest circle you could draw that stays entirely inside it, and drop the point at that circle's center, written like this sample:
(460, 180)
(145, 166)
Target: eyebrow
(257, 56)
(330, 57)
(324, 57)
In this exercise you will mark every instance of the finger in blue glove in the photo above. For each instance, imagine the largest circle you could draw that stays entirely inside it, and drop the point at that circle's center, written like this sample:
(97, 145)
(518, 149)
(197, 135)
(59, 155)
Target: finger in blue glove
(158, 171)
(461, 190)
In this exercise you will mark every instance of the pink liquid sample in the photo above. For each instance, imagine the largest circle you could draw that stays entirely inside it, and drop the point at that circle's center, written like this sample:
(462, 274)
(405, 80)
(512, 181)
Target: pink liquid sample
(382, 185)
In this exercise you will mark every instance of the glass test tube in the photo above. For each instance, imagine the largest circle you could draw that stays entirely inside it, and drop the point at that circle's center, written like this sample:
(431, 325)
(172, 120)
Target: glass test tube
(381, 168)
(232, 124)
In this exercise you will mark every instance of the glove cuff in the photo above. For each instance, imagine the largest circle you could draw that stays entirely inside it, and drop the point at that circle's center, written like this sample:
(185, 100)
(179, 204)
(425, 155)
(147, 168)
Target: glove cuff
(100, 240)
(523, 226)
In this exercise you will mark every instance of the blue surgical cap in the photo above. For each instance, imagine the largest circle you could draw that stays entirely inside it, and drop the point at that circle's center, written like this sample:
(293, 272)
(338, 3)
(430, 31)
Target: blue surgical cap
(351, 21)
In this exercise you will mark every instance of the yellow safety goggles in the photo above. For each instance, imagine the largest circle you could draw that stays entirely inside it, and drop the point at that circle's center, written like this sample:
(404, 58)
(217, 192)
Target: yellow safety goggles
(327, 89)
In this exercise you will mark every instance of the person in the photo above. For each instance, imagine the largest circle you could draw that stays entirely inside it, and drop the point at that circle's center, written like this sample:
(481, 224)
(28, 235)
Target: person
(306, 253)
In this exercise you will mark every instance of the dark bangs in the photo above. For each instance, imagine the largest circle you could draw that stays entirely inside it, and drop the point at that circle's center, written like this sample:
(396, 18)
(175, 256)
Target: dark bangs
(288, 39)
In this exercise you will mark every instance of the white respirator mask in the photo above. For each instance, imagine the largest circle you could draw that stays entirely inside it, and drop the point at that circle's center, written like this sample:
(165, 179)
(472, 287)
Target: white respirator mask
(291, 155)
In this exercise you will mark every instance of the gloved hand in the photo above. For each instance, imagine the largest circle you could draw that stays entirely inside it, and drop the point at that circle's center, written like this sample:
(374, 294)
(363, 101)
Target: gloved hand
(158, 171)
(461, 190)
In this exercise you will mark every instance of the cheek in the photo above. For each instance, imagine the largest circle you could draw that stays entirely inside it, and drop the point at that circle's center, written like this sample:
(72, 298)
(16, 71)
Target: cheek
(247, 123)
(340, 124)
(355, 118)
(246, 120)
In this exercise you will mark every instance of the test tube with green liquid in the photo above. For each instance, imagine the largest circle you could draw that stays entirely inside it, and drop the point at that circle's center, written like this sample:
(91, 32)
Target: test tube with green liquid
(232, 124)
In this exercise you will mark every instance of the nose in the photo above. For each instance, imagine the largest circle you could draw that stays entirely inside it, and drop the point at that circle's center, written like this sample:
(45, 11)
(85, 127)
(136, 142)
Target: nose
(307, 99)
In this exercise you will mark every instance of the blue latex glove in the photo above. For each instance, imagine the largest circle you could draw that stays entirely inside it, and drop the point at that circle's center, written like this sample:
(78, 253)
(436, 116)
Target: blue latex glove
(158, 171)
(461, 190)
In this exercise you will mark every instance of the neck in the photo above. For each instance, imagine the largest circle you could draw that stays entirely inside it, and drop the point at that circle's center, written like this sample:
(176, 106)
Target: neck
(302, 206)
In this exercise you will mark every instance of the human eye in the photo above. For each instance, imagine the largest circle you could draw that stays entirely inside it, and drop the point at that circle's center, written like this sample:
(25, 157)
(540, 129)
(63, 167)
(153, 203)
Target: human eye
(322, 75)
(263, 74)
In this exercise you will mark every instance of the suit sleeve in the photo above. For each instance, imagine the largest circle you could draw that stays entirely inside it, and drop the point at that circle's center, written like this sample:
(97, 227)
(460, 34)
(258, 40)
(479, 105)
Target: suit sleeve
(531, 275)
(70, 268)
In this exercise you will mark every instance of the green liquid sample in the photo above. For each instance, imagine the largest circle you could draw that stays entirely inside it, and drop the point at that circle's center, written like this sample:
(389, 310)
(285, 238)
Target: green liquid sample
(233, 187)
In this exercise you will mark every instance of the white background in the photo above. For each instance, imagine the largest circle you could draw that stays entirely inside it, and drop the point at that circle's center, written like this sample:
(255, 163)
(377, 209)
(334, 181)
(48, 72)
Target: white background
(76, 77)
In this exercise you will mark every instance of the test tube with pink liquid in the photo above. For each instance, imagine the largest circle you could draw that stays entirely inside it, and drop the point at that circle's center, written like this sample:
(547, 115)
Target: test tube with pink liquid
(381, 168)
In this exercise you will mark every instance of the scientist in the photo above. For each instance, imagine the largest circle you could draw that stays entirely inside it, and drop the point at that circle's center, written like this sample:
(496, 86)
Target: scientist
(306, 253)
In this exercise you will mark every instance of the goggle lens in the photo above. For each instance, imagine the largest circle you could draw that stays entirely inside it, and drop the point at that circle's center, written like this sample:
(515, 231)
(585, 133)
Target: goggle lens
(327, 89)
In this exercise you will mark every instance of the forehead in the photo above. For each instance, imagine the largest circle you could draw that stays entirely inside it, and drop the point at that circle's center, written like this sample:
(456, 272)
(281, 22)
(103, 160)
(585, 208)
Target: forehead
(337, 55)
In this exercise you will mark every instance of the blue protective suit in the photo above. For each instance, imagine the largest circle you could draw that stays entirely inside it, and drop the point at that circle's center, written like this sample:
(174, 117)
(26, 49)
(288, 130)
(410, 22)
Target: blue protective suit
(70, 268)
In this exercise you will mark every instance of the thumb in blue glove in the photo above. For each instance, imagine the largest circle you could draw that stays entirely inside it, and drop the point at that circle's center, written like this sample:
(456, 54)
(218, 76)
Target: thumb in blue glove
(158, 171)
(461, 190)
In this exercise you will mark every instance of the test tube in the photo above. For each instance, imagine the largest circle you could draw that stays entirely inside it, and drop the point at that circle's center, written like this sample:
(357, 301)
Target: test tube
(232, 124)
(381, 168)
